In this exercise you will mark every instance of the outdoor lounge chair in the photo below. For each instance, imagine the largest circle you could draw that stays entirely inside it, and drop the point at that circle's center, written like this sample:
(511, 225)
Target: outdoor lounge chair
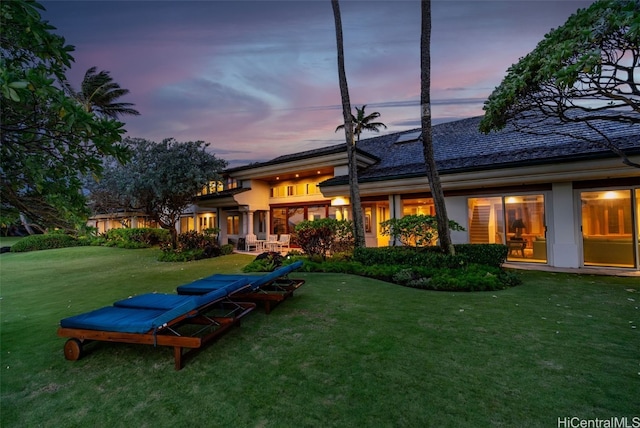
(159, 319)
(269, 289)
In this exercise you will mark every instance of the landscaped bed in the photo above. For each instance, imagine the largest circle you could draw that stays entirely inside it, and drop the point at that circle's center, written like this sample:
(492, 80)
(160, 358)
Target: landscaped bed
(344, 351)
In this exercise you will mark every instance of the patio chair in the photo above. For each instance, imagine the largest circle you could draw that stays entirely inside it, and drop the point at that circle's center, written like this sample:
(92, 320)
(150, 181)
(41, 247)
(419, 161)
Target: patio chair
(181, 322)
(251, 241)
(284, 241)
(271, 243)
(269, 289)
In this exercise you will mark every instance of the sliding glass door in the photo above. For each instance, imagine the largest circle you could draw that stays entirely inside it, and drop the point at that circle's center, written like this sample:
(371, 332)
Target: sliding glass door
(607, 228)
(517, 221)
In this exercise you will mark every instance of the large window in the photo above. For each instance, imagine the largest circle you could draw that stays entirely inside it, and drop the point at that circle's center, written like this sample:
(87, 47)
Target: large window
(285, 219)
(233, 224)
(517, 221)
(186, 224)
(607, 228)
(420, 206)
(207, 221)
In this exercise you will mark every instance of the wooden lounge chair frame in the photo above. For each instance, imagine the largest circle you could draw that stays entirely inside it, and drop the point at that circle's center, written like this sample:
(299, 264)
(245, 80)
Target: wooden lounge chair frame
(211, 321)
(273, 293)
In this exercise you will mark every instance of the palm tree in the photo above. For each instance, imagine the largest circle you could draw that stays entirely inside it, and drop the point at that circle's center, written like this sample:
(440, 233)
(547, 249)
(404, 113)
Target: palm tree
(354, 190)
(98, 92)
(365, 123)
(427, 139)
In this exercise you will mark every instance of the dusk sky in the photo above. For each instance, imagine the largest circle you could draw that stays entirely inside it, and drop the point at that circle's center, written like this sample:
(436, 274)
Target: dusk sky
(258, 79)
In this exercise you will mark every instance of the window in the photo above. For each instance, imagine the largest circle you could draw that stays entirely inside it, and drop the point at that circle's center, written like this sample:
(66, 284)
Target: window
(607, 228)
(423, 206)
(186, 224)
(517, 221)
(232, 183)
(277, 191)
(233, 225)
(409, 137)
(207, 221)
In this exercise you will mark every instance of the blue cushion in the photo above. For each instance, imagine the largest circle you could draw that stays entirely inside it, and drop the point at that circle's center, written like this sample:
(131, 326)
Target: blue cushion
(123, 320)
(206, 285)
(154, 301)
(223, 280)
(171, 301)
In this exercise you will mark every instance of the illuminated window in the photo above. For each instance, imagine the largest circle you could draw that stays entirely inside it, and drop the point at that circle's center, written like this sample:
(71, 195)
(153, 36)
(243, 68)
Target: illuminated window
(419, 206)
(607, 228)
(233, 224)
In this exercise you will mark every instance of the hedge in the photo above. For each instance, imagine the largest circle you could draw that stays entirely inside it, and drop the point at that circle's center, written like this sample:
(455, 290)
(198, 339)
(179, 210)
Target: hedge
(45, 242)
(483, 254)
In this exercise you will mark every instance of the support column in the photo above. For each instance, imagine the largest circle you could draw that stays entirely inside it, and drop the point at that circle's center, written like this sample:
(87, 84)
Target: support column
(250, 223)
(395, 211)
(267, 219)
(563, 231)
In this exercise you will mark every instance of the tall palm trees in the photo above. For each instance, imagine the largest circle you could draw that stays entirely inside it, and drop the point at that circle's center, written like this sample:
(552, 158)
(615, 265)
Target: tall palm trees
(427, 140)
(98, 93)
(364, 123)
(354, 192)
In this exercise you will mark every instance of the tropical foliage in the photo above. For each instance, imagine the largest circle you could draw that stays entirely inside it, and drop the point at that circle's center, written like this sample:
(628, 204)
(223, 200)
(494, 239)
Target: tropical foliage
(587, 70)
(415, 230)
(48, 139)
(98, 93)
(364, 122)
(324, 236)
(161, 180)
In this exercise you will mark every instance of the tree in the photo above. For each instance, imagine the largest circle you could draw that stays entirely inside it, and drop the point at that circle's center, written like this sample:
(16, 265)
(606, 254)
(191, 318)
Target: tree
(354, 190)
(364, 123)
(161, 180)
(427, 137)
(586, 71)
(98, 93)
(415, 230)
(48, 140)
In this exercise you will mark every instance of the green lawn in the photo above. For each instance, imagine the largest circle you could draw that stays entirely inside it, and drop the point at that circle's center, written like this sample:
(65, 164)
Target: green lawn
(345, 351)
(7, 241)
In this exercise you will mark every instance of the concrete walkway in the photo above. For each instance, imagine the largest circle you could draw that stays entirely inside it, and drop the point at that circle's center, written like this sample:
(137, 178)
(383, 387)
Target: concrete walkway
(580, 271)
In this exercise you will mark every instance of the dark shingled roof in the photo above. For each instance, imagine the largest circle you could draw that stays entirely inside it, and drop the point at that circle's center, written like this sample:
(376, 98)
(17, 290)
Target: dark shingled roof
(460, 146)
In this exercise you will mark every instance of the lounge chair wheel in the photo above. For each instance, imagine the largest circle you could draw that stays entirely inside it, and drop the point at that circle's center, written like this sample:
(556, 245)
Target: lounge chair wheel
(73, 349)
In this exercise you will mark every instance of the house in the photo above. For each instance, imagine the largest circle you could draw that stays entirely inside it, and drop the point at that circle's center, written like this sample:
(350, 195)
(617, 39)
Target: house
(553, 199)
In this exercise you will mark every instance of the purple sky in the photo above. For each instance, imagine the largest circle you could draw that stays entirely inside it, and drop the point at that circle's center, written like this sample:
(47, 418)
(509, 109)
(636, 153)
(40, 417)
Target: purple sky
(258, 79)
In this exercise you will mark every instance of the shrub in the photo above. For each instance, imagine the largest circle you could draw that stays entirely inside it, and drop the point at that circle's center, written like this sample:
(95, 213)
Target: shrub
(483, 254)
(408, 256)
(181, 256)
(265, 262)
(133, 238)
(192, 246)
(44, 242)
(464, 277)
(415, 230)
(470, 278)
(226, 249)
(324, 236)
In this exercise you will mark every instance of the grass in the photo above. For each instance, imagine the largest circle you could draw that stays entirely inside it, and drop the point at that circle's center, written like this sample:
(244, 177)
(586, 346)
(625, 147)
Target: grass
(7, 241)
(345, 351)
